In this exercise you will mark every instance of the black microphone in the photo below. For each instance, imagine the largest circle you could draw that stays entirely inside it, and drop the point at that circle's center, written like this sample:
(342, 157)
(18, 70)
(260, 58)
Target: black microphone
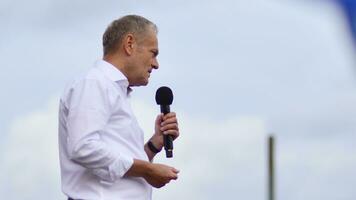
(164, 98)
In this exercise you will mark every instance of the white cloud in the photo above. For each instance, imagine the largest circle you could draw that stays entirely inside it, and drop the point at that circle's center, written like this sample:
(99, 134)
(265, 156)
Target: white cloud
(30, 166)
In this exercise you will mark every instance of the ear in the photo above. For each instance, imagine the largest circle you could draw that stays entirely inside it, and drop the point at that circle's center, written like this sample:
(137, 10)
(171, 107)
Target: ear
(128, 43)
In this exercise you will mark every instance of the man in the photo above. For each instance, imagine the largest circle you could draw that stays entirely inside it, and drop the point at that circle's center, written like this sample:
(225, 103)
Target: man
(101, 146)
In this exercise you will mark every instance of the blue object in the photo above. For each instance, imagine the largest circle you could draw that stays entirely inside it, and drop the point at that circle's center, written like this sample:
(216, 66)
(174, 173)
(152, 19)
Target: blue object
(349, 7)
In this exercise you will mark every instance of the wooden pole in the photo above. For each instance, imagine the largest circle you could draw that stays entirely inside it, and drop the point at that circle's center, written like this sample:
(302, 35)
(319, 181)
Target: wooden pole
(271, 168)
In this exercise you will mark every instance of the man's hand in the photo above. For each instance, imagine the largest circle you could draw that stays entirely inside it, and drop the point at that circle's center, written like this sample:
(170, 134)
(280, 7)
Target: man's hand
(159, 175)
(156, 175)
(165, 125)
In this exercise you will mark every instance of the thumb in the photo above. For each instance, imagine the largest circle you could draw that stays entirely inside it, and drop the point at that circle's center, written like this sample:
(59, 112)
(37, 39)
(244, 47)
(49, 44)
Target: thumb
(159, 118)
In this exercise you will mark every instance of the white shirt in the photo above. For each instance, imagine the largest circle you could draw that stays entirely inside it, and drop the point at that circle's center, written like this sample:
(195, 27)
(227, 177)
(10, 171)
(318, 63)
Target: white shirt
(99, 137)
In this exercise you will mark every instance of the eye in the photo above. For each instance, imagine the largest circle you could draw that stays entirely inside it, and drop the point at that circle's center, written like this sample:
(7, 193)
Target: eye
(154, 53)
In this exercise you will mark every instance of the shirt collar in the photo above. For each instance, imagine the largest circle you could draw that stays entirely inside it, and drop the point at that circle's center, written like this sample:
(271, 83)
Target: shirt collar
(114, 74)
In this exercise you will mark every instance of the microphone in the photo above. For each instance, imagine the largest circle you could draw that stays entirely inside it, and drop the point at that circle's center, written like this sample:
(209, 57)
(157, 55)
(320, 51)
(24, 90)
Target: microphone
(164, 98)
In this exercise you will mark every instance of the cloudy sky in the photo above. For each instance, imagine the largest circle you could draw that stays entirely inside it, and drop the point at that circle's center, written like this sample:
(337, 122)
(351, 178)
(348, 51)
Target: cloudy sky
(239, 70)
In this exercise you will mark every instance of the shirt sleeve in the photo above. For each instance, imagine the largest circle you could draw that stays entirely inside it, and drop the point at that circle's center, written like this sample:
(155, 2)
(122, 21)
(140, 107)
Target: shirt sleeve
(88, 113)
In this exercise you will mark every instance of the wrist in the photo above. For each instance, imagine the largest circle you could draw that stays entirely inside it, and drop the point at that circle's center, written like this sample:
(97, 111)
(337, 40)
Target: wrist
(148, 169)
(157, 141)
(152, 147)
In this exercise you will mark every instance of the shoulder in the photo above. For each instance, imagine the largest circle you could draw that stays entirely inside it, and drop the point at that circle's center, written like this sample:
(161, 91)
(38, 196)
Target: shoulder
(92, 81)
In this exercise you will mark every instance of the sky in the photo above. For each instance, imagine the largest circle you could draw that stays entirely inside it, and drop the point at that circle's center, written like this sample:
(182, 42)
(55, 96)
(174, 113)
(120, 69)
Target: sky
(239, 71)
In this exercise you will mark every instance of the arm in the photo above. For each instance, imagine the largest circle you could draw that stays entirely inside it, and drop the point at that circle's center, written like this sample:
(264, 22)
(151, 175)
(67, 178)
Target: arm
(88, 112)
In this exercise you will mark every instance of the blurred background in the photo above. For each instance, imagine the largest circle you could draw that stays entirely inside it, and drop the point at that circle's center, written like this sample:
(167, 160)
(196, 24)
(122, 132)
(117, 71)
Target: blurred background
(239, 70)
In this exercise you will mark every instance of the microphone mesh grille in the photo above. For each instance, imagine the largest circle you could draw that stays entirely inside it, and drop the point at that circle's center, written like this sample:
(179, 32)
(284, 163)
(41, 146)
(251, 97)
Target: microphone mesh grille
(164, 96)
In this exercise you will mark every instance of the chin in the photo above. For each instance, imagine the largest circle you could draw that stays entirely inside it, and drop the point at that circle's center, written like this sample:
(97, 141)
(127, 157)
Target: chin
(143, 83)
(140, 83)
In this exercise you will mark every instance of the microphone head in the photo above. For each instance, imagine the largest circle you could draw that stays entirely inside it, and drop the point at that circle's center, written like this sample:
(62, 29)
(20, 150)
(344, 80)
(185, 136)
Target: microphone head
(164, 96)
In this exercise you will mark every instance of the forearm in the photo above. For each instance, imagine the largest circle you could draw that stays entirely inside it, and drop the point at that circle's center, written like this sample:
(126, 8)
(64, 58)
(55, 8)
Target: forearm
(139, 168)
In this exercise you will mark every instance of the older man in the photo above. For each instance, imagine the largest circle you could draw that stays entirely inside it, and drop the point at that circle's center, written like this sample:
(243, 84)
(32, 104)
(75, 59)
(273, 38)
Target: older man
(103, 155)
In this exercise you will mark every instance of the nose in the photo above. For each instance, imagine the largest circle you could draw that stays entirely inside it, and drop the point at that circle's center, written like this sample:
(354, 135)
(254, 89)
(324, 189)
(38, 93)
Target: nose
(155, 64)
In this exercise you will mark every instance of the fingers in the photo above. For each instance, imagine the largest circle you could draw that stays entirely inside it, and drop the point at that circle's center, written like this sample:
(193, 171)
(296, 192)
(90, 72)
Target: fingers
(172, 120)
(169, 118)
(175, 170)
(169, 125)
(174, 174)
(162, 175)
(174, 177)
(173, 126)
(172, 133)
(169, 115)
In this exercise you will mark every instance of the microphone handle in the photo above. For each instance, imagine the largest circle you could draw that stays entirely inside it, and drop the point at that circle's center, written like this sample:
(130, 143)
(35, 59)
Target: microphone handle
(167, 139)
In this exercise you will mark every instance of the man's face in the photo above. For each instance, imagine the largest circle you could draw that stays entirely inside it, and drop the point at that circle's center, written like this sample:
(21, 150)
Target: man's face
(144, 59)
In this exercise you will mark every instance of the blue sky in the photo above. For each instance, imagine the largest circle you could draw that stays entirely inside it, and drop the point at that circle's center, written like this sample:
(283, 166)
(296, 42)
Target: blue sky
(239, 70)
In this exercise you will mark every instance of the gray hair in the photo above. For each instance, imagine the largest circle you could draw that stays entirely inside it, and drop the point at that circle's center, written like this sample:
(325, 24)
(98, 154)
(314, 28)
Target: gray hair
(115, 32)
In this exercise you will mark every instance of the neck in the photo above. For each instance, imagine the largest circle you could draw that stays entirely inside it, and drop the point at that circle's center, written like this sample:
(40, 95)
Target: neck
(117, 62)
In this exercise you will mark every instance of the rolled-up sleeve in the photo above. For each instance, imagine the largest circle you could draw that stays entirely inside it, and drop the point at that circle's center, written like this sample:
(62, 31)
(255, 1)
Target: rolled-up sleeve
(88, 114)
